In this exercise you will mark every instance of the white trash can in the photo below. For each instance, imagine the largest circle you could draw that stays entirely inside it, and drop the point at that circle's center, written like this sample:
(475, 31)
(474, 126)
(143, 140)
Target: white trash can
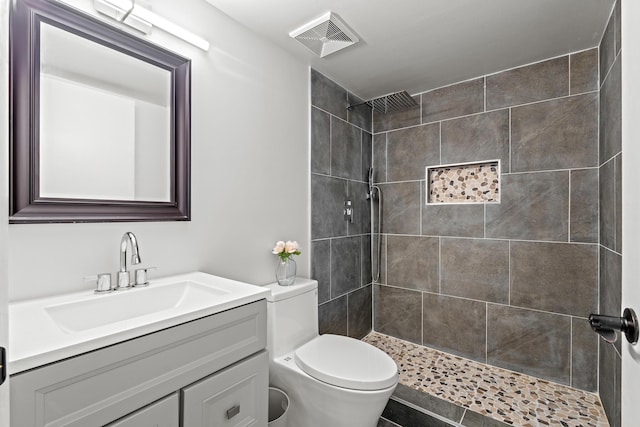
(278, 407)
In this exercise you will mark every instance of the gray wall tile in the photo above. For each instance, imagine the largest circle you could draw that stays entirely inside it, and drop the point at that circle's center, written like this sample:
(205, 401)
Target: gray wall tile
(380, 157)
(607, 48)
(332, 316)
(320, 142)
(618, 201)
(396, 120)
(345, 265)
(359, 115)
(410, 150)
(530, 342)
(611, 285)
(383, 260)
(533, 206)
(327, 201)
(544, 80)
(360, 308)
(584, 356)
(556, 277)
(557, 134)
(453, 101)
(462, 220)
(321, 268)
(346, 150)
(401, 208)
(404, 415)
(455, 325)
(365, 275)
(607, 205)
(361, 214)
(611, 114)
(584, 71)
(475, 268)
(584, 206)
(477, 137)
(398, 312)
(412, 262)
(429, 402)
(609, 373)
(328, 95)
(618, 23)
(367, 155)
(474, 419)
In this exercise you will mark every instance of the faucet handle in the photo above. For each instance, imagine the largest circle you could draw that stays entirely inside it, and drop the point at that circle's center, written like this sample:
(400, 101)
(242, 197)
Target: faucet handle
(102, 282)
(141, 276)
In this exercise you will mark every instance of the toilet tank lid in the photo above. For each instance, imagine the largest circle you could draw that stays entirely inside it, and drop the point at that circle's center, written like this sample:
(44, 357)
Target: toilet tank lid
(300, 286)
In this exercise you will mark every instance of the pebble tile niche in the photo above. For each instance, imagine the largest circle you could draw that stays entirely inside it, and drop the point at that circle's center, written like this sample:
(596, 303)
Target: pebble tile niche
(464, 183)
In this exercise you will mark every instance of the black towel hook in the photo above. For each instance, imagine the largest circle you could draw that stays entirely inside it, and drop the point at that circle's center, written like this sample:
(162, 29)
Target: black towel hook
(606, 326)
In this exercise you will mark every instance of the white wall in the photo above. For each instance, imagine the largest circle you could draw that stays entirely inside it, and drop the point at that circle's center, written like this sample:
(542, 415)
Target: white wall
(4, 195)
(250, 172)
(630, 204)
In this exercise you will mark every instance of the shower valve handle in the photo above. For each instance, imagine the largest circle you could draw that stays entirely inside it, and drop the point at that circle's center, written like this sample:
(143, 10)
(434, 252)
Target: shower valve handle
(348, 211)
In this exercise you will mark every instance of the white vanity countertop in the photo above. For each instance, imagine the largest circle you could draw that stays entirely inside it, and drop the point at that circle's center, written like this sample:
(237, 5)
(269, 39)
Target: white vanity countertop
(46, 330)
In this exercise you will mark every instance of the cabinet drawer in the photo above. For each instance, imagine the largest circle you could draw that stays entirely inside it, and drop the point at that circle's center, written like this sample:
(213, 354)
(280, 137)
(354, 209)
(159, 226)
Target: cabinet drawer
(104, 385)
(163, 413)
(236, 396)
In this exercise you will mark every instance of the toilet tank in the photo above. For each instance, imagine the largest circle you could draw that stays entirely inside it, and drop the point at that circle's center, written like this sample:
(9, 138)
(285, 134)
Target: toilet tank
(292, 315)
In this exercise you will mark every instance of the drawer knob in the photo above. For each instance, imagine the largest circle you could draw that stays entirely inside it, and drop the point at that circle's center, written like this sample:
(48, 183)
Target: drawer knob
(232, 412)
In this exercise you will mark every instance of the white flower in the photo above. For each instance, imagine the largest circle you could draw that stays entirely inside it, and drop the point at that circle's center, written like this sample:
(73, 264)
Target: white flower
(279, 247)
(291, 247)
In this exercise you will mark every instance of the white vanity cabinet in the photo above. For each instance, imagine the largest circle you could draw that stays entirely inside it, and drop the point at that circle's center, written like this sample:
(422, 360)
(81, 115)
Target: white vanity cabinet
(218, 363)
(163, 413)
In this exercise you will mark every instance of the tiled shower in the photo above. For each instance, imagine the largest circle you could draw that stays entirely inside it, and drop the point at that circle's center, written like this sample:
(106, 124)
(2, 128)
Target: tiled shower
(508, 284)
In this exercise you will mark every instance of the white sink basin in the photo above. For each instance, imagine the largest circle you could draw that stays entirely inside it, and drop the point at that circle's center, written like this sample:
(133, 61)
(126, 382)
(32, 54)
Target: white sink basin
(124, 305)
(45, 330)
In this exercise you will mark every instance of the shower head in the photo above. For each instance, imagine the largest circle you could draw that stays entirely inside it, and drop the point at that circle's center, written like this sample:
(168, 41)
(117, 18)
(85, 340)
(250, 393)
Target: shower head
(389, 103)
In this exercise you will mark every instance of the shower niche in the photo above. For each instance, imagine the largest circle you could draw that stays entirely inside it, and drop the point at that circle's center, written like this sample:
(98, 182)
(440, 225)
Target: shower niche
(472, 182)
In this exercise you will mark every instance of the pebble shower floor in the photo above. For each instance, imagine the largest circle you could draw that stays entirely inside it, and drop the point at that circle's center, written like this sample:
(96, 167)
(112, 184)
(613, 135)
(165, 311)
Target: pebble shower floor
(513, 398)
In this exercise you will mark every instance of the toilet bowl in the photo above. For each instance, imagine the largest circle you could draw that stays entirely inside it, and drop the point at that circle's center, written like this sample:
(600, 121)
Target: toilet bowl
(331, 380)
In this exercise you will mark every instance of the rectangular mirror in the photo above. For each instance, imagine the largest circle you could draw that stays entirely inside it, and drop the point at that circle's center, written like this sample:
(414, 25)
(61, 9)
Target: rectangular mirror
(100, 118)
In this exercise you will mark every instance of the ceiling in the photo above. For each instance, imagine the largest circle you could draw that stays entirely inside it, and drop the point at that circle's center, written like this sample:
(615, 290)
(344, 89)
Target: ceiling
(417, 45)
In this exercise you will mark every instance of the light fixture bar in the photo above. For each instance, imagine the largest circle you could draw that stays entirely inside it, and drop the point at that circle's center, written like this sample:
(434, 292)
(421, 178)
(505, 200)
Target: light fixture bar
(130, 13)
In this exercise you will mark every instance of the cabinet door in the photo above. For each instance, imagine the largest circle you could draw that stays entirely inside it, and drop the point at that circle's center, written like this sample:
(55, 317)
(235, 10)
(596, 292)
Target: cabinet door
(163, 413)
(236, 396)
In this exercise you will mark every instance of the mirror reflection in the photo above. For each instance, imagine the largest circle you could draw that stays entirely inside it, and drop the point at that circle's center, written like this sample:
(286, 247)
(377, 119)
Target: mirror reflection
(105, 122)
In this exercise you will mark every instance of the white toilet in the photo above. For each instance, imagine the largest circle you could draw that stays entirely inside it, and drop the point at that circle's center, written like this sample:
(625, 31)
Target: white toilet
(331, 380)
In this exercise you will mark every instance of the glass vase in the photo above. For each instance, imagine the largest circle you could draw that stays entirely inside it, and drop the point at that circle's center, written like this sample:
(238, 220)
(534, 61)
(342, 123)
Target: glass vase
(286, 272)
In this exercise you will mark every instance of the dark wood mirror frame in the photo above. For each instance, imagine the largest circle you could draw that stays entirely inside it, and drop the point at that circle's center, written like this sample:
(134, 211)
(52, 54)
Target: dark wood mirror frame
(25, 203)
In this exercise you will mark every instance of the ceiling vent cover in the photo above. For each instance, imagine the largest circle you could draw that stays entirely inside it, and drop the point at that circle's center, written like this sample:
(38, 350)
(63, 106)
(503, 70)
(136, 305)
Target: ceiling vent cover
(325, 35)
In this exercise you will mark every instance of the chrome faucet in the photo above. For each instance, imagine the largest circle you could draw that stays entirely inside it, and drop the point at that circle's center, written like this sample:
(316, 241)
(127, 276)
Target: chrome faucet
(124, 278)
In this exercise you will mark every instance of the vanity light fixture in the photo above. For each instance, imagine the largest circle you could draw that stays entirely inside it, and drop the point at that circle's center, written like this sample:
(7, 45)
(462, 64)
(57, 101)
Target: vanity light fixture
(128, 12)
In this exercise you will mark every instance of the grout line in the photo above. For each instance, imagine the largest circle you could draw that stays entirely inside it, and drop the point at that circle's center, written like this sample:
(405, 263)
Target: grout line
(571, 354)
(569, 211)
(520, 307)
(440, 145)
(440, 264)
(330, 271)
(485, 94)
(569, 73)
(510, 145)
(422, 318)
(486, 332)
(509, 275)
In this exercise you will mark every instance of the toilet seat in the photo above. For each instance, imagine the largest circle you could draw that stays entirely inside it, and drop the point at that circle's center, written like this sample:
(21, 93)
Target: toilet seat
(347, 362)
